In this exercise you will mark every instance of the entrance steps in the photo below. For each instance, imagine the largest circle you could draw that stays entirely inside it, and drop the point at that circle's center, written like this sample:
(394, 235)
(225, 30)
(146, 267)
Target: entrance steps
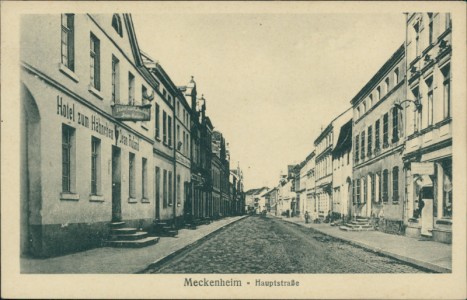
(125, 237)
(164, 229)
(358, 224)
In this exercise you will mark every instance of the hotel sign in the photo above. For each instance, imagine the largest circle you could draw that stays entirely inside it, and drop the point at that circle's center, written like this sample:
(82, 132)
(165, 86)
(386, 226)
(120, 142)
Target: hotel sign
(425, 168)
(131, 112)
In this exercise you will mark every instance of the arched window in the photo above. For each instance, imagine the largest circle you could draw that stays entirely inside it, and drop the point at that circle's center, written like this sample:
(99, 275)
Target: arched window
(117, 24)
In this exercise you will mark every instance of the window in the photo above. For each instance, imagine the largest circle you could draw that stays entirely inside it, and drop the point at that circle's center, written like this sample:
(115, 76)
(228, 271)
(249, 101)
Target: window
(430, 28)
(365, 190)
(395, 184)
(68, 41)
(144, 177)
(179, 191)
(358, 112)
(417, 39)
(370, 137)
(385, 130)
(179, 139)
(95, 165)
(170, 188)
(373, 188)
(68, 135)
(396, 76)
(131, 89)
(377, 140)
(115, 80)
(447, 188)
(380, 185)
(386, 85)
(157, 124)
(144, 93)
(395, 125)
(417, 113)
(429, 84)
(164, 186)
(95, 62)
(117, 24)
(378, 93)
(357, 142)
(169, 130)
(158, 185)
(131, 176)
(385, 185)
(363, 145)
(348, 158)
(164, 127)
(446, 91)
(358, 190)
(370, 101)
(448, 21)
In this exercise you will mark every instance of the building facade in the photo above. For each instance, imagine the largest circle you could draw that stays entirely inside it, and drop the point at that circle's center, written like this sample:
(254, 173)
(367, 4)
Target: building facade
(342, 172)
(428, 152)
(85, 162)
(378, 145)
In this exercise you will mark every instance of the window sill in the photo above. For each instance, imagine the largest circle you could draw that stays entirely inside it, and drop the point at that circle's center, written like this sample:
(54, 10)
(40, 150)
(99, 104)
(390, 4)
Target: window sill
(65, 70)
(132, 200)
(95, 92)
(69, 196)
(145, 200)
(96, 198)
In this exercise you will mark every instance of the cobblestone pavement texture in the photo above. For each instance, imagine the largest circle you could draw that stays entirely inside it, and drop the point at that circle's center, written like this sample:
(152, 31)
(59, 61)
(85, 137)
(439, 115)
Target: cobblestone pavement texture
(268, 245)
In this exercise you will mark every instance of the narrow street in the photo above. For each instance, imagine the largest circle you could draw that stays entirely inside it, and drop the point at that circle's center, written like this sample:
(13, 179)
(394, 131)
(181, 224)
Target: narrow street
(269, 245)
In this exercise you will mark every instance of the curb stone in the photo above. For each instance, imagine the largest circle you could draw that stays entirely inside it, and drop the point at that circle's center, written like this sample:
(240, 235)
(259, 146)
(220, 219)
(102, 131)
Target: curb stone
(164, 259)
(412, 261)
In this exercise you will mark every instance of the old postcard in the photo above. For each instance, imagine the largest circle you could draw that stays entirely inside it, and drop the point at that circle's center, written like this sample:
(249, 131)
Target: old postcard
(233, 150)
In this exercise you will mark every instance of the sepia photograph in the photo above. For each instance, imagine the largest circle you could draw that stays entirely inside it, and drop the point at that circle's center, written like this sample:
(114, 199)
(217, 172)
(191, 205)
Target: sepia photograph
(234, 150)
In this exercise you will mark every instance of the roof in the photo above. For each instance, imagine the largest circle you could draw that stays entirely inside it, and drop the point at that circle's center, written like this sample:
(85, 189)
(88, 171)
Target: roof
(255, 191)
(344, 141)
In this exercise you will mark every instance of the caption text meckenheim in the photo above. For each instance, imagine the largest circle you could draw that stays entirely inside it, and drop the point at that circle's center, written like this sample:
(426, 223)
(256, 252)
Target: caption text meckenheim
(233, 282)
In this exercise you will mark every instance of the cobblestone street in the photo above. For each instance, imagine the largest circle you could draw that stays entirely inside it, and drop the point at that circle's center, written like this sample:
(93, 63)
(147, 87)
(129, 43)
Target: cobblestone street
(269, 245)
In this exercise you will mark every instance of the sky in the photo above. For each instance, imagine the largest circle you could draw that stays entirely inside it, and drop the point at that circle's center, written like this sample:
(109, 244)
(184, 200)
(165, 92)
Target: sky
(271, 81)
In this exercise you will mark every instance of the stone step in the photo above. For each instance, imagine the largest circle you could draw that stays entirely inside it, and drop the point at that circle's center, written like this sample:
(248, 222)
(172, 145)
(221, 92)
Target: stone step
(360, 228)
(117, 231)
(359, 222)
(117, 225)
(147, 241)
(127, 237)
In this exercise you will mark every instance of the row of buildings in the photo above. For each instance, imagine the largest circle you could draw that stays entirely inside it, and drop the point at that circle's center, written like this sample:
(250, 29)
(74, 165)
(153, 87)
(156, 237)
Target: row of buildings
(388, 156)
(107, 136)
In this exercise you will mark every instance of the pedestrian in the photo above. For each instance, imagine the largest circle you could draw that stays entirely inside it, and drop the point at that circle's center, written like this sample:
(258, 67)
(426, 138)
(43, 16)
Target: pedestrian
(307, 217)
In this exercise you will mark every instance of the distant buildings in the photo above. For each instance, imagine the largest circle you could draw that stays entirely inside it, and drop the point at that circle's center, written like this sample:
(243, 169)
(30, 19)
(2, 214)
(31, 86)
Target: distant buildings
(255, 200)
(392, 160)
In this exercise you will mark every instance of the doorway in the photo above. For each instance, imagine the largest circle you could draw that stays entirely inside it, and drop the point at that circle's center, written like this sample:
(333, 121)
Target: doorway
(116, 185)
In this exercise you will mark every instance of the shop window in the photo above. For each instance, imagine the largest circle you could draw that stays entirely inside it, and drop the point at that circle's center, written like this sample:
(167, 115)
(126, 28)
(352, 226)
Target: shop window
(68, 159)
(377, 139)
(164, 187)
(95, 165)
(395, 184)
(95, 62)
(144, 177)
(115, 80)
(131, 175)
(68, 41)
(385, 185)
(117, 24)
(447, 188)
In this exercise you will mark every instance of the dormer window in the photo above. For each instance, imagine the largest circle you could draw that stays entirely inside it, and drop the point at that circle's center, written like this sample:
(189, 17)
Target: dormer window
(117, 24)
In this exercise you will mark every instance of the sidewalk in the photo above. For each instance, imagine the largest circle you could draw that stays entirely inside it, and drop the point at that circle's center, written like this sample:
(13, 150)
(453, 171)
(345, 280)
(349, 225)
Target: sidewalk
(430, 255)
(108, 260)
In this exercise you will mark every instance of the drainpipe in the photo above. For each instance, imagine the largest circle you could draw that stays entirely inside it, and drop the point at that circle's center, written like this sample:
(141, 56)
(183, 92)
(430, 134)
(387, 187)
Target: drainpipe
(174, 182)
